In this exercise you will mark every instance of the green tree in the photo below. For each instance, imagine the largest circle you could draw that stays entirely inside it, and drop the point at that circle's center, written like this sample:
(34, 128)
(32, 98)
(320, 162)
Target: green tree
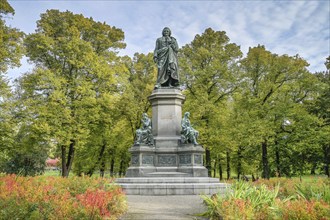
(275, 90)
(242, 134)
(11, 40)
(76, 70)
(11, 49)
(209, 74)
(321, 108)
(28, 155)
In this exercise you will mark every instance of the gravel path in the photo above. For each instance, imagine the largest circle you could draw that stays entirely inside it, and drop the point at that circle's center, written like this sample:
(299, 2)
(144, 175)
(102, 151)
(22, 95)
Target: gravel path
(164, 207)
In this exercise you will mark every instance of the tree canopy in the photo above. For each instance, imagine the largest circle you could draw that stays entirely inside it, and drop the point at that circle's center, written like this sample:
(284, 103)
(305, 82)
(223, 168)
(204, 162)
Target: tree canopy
(75, 77)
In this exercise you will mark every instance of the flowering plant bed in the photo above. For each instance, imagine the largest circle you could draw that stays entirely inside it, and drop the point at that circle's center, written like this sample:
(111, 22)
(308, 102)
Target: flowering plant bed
(272, 199)
(44, 197)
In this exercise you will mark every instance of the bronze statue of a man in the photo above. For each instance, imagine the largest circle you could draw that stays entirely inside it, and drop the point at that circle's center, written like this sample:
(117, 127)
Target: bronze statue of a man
(165, 55)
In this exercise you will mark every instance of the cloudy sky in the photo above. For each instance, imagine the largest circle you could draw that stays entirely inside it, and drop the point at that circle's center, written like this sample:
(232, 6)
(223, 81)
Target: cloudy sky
(284, 27)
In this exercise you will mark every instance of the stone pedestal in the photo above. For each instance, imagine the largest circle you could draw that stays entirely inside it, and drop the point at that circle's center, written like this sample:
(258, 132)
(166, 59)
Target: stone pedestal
(168, 167)
(168, 156)
(166, 115)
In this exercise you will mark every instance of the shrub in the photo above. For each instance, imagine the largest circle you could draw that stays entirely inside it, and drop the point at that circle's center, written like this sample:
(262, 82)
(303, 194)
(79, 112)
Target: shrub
(312, 188)
(304, 210)
(316, 190)
(59, 198)
(242, 201)
(287, 186)
(30, 164)
(277, 198)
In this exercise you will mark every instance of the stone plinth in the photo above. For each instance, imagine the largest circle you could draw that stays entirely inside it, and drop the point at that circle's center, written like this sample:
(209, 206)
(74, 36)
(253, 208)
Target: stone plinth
(172, 186)
(166, 116)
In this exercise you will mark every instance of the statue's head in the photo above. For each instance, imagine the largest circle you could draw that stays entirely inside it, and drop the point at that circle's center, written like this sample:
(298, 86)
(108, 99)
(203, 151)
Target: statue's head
(187, 114)
(144, 115)
(166, 29)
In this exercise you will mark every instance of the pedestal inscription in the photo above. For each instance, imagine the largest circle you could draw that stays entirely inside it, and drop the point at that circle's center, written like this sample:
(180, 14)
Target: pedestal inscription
(198, 159)
(135, 160)
(185, 159)
(148, 159)
(167, 160)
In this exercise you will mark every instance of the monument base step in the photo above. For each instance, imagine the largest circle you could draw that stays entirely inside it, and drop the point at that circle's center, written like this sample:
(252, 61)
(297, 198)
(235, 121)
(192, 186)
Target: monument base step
(167, 174)
(172, 186)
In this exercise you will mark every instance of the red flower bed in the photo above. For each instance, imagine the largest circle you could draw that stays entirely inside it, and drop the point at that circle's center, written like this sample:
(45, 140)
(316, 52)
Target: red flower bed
(60, 198)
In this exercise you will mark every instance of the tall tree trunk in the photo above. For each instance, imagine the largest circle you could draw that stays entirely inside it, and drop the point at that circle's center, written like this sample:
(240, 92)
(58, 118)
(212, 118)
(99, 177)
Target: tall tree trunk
(121, 167)
(63, 156)
(228, 164)
(70, 156)
(90, 171)
(220, 168)
(98, 161)
(239, 162)
(215, 168)
(67, 159)
(208, 161)
(102, 168)
(265, 165)
(112, 165)
(207, 150)
(277, 160)
(326, 152)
